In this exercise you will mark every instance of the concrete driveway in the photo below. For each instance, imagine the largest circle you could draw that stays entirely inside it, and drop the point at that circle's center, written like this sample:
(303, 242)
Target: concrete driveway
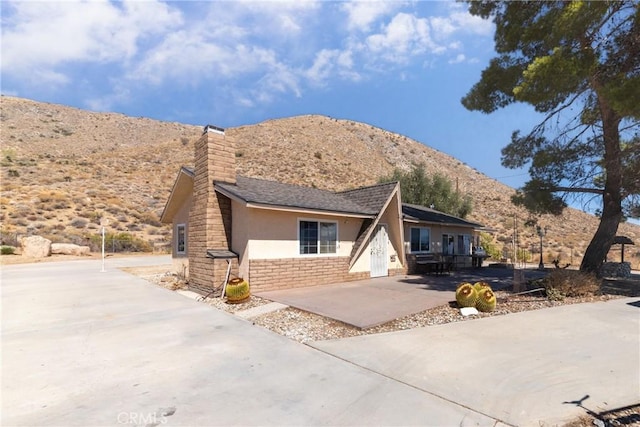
(85, 348)
(525, 369)
(81, 347)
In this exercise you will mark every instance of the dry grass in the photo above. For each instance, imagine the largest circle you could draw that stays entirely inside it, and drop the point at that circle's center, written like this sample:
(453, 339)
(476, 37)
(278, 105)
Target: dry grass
(561, 283)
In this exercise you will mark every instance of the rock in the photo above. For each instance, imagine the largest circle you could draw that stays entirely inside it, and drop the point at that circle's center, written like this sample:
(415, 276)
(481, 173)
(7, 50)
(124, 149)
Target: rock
(36, 247)
(69, 249)
(616, 269)
(468, 311)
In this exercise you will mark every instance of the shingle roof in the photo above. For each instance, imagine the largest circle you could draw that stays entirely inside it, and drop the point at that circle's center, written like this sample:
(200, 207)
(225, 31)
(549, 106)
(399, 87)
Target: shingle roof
(421, 213)
(364, 201)
(373, 197)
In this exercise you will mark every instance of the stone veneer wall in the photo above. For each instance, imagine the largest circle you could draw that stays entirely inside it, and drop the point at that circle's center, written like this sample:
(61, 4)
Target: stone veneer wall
(397, 271)
(287, 273)
(210, 215)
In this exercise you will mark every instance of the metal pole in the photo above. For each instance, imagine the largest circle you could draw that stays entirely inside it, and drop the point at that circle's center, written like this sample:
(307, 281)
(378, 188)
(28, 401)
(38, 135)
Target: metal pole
(541, 264)
(102, 250)
(541, 232)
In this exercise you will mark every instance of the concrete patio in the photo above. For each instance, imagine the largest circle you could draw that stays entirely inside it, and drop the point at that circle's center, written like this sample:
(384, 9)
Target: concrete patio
(372, 302)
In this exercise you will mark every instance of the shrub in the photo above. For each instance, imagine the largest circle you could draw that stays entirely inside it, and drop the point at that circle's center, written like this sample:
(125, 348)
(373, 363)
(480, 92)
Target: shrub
(121, 242)
(79, 223)
(7, 250)
(486, 241)
(561, 283)
(150, 218)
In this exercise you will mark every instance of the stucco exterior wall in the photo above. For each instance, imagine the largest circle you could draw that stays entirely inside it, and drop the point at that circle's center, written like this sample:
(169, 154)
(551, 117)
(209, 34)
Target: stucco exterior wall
(240, 228)
(396, 236)
(274, 234)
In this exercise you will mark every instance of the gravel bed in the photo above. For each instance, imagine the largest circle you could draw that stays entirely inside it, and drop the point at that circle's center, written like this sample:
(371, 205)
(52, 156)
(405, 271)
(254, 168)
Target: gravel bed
(303, 326)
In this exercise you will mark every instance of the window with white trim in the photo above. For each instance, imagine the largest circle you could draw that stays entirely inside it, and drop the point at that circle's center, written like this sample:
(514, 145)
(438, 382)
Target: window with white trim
(318, 237)
(181, 239)
(420, 238)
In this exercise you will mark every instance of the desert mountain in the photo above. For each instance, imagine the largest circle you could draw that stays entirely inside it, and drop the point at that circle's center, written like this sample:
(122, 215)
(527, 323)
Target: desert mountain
(63, 169)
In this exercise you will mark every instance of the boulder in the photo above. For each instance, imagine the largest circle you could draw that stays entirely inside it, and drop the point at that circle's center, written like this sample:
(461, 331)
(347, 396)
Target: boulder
(616, 269)
(69, 249)
(35, 247)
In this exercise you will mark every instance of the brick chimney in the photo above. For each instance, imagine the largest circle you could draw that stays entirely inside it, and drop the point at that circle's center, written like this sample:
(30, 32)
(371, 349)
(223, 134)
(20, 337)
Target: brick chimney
(210, 215)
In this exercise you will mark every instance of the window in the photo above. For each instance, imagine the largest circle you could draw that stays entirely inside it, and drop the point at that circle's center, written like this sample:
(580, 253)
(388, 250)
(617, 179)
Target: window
(447, 244)
(464, 244)
(420, 238)
(181, 239)
(318, 237)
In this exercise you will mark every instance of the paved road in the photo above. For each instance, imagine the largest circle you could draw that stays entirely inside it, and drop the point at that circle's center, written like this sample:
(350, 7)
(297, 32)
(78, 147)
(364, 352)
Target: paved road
(81, 347)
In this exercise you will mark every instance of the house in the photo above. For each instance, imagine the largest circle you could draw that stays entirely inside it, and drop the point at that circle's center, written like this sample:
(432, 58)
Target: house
(280, 236)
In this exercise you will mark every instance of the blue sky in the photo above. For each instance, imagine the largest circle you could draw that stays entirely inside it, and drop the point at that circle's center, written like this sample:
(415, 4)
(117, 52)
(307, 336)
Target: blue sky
(401, 66)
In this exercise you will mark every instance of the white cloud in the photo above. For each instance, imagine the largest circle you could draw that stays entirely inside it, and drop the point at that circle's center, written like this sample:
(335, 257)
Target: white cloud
(458, 59)
(192, 55)
(44, 35)
(120, 94)
(330, 63)
(467, 23)
(405, 36)
(270, 19)
(442, 26)
(459, 20)
(362, 14)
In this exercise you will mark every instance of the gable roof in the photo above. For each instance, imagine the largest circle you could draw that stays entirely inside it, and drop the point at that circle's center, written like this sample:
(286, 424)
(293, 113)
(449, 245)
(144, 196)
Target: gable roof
(366, 201)
(423, 214)
(373, 197)
(181, 190)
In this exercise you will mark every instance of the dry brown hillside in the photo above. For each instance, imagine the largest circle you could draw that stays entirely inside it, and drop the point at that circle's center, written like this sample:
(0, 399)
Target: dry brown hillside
(63, 169)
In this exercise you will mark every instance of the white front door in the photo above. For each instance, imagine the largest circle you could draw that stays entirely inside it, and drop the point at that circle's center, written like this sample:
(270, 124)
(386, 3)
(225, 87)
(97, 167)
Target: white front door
(379, 256)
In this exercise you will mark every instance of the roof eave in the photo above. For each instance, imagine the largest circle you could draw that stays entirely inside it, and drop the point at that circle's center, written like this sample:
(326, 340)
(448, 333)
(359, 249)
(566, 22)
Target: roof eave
(308, 210)
(295, 209)
(444, 224)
